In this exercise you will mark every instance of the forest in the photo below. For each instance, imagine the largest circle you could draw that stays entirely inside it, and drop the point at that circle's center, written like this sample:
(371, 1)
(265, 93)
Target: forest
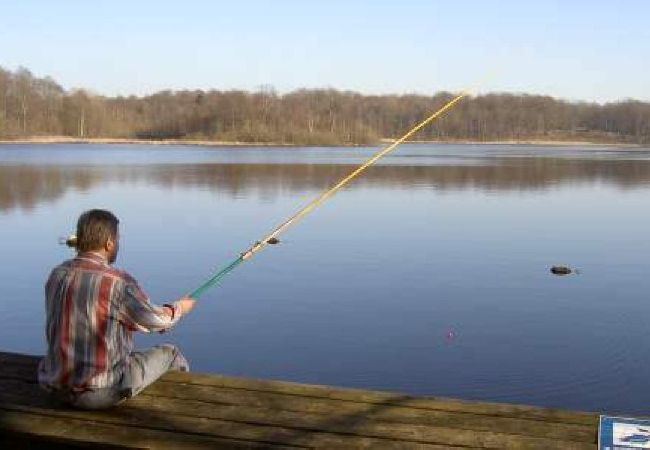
(32, 106)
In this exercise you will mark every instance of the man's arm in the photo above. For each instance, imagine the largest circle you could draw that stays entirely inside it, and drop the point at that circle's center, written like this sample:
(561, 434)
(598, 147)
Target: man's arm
(141, 314)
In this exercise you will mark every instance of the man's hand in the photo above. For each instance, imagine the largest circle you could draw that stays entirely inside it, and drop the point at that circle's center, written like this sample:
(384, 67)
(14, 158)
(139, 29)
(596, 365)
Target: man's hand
(185, 304)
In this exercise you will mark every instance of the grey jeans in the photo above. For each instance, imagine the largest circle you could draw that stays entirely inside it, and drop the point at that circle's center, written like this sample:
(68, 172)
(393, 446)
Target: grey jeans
(144, 368)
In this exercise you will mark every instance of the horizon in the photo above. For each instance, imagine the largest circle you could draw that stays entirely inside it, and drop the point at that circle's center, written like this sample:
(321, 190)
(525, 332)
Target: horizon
(580, 52)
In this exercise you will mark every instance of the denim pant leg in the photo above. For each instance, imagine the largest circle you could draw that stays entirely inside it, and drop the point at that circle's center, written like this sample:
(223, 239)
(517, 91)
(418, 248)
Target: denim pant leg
(142, 369)
(94, 398)
(147, 366)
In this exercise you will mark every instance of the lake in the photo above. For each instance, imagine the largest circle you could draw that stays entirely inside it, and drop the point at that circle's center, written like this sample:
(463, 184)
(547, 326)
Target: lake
(429, 274)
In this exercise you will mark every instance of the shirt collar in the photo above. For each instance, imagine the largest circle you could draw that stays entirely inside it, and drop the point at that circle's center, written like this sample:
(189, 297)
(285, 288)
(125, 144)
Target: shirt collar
(92, 256)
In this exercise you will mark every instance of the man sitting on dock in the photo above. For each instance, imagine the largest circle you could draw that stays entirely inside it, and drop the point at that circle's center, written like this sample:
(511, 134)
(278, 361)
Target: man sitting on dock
(92, 311)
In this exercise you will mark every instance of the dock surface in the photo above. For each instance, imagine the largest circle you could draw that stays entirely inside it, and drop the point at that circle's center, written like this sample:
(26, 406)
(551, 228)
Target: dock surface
(192, 410)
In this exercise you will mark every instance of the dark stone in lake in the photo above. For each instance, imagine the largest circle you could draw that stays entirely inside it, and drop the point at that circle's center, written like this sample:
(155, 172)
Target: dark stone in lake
(561, 270)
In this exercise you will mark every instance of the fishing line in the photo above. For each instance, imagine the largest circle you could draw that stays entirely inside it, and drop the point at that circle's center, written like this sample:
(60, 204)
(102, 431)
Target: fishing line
(272, 237)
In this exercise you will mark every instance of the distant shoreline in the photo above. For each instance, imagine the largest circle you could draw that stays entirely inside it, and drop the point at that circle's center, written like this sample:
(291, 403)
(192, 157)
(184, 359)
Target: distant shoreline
(526, 142)
(198, 142)
(208, 143)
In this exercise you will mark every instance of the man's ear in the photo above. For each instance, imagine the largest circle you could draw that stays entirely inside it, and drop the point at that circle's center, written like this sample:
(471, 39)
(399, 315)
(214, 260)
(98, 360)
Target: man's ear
(109, 245)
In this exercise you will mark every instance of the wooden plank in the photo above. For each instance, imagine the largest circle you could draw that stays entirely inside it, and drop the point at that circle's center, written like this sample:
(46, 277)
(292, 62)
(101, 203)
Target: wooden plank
(365, 423)
(135, 422)
(30, 399)
(18, 358)
(349, 395)
(18, 372)
(250, 410)
(36, 427)
(288, 405)
(388, 412)
(188, 416)
(364, 396)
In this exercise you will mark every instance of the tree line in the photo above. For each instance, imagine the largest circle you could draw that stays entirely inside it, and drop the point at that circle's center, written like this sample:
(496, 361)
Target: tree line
(31, 106)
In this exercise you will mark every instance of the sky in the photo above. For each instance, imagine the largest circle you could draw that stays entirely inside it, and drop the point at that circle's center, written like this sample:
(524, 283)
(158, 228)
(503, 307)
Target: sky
(576, 50)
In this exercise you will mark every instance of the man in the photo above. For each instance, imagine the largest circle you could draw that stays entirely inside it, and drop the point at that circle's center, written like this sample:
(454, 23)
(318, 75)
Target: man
(92, 311)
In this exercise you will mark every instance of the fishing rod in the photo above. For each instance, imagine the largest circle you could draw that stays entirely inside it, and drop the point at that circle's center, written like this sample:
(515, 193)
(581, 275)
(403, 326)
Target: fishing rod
(272, 237)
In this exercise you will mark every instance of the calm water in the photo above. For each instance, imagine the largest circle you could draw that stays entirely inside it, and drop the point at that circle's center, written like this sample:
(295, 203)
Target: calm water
(427, 275)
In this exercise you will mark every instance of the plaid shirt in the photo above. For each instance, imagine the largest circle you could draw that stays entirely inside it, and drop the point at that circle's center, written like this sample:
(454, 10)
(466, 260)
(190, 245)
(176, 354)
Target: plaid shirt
(92, 311)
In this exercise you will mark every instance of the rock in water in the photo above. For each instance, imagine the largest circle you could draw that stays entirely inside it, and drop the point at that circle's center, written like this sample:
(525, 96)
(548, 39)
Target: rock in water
(561, 270)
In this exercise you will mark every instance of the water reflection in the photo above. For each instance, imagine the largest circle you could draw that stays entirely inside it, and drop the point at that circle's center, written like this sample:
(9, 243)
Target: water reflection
(25, 186)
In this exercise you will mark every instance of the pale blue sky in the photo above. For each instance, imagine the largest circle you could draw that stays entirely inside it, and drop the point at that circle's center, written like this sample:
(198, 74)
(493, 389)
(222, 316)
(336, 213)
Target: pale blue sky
(579, 50)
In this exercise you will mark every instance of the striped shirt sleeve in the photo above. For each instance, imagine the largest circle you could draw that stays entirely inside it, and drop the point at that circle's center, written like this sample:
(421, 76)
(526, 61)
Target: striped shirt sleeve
(140, 314)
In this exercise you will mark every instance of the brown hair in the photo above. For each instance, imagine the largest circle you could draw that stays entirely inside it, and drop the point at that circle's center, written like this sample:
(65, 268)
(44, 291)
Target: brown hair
(94, 228)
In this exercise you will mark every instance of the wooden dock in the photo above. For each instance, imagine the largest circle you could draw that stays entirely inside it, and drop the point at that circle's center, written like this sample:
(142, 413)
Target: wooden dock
(190, 410)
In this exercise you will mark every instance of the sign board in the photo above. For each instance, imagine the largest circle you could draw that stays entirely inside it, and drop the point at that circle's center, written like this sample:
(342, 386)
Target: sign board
(621, 433)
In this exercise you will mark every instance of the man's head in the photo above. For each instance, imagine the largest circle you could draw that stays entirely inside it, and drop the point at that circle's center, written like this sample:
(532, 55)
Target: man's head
(97, 231)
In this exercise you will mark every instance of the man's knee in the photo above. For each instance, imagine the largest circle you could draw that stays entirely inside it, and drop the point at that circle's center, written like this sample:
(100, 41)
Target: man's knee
(169, 348)
(177, 360)
(147, 366)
